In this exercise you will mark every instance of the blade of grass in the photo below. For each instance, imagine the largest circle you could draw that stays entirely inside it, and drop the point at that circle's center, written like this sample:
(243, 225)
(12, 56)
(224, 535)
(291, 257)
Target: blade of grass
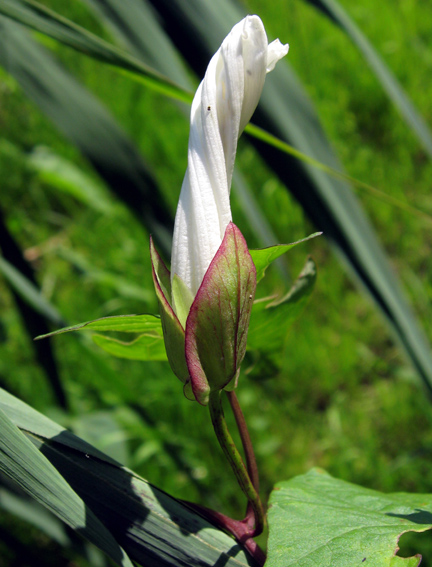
(87, 123)
(25, 465)
(263, 135)
(334, 11)
(29, 292)
(47, 21)
(130, 19)
(33, 513)
(154, 528)
(135, 26)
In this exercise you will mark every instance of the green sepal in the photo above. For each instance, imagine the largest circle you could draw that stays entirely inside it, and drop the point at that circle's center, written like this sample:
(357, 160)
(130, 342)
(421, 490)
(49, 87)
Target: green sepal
(263, 257)
(173, 332)
(188, 392)
(182, 299)
(232, 385)
(217, 325)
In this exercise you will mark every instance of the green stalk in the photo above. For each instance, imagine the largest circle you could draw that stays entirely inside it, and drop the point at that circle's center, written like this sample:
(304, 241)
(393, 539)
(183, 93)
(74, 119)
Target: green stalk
(236, 462)
(251, 464)
(245, 439)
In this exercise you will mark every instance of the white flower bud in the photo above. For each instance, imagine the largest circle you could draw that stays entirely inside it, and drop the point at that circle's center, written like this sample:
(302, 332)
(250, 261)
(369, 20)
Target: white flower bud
(222, 106)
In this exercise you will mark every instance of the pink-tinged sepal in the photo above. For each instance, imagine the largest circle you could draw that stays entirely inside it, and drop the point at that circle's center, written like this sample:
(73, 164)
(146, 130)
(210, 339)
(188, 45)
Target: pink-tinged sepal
(174, 334)
(218, 321)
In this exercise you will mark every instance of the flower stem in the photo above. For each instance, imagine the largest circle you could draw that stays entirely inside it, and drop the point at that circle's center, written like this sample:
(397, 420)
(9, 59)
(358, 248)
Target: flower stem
(239, 529)
(236, 462)
(245, 439)
(248, 451)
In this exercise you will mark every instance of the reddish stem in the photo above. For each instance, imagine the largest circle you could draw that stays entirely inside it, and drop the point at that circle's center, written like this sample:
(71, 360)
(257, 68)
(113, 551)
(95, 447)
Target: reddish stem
(241, 530)
(255, 518)
(245, 439)
(248, 451)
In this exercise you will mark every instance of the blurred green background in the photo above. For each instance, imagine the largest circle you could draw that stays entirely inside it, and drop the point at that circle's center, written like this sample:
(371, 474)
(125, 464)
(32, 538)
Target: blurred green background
(341, 394)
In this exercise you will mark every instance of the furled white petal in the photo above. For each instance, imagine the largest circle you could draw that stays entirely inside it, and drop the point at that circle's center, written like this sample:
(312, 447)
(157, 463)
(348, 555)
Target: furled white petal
(222, 106)
(276, 50)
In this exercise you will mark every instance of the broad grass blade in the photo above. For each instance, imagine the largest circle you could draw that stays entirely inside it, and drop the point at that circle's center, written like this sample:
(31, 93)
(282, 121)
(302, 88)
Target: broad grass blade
(21, 461)
(390, 84)
(87, 123)
(22, 506)
(43, 19)
(153, 528)
(34, 309)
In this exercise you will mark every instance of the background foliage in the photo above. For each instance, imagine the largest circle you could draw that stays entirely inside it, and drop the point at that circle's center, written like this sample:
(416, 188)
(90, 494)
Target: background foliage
(340, 394)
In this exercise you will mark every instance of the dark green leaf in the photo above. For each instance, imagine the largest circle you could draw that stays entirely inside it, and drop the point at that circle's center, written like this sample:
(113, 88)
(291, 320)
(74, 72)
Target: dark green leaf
(33, 513)
(134, 24)
(154, 528)
(315, 519)
(40, 18)
(26, 466)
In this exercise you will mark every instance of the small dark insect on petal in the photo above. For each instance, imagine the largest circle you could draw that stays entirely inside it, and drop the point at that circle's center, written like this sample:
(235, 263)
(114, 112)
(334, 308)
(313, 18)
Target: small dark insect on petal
(209, 108)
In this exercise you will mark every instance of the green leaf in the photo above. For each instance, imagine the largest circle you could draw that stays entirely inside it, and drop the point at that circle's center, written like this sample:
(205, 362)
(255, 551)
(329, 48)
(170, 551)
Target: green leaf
(173, 332)
(87, 124)
(390, 84)
(272, 317)
(148, 324)
(405, 561)
(315, 519)
(154, 528)
(135, 26)
(43, 19)
(265, 256)
(26, 466)
(144, 347)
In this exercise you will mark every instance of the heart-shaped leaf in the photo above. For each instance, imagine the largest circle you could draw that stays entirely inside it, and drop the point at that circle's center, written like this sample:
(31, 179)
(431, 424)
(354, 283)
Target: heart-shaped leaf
(315, 519)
